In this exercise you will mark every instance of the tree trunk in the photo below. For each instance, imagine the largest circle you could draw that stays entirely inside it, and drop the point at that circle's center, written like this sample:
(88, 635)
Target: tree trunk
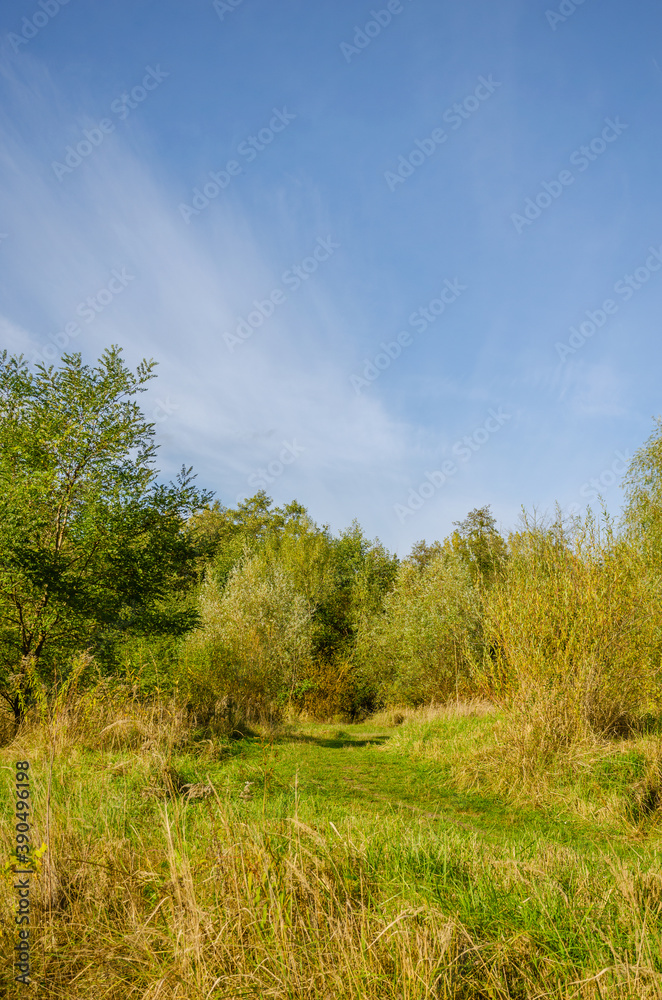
(19, 712)
(20, 701)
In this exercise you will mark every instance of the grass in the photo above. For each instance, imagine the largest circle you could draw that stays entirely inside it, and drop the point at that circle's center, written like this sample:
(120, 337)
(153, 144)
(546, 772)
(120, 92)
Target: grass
(366, 861)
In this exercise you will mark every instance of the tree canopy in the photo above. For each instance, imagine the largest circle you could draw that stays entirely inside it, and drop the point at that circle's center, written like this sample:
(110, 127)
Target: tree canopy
(480, 545)
(91, 546)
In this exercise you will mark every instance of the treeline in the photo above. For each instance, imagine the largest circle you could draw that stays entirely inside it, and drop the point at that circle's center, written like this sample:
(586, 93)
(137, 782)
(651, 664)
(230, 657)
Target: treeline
(293, 616)
(564, 615)
(245, 613)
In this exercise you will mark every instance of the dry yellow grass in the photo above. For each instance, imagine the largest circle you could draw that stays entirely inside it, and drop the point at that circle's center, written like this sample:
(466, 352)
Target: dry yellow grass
(155, 896)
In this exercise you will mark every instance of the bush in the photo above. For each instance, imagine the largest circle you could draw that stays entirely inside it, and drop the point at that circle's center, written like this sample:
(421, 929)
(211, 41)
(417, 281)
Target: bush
(253, 647)
(573, 626)
(423, 646)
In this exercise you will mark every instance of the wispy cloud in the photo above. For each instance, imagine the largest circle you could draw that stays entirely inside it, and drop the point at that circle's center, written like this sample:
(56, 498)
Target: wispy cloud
(188, 285)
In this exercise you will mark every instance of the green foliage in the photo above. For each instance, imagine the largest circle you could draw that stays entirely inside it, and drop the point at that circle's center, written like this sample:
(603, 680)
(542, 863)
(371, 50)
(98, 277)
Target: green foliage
(422, 646)
(643, 494)
(222, 534)
(92, 549)
(322, 587)
(305, 553)
(559, 621)
(575, 626)
(358, 575)
(422, 553)
(361, 573)
(254, 646)
(147, 664)
(480, 546)
(559, 624)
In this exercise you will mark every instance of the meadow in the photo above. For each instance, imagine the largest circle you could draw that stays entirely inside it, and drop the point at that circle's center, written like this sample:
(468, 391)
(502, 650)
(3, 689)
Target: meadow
(370, 860)
(244, 756)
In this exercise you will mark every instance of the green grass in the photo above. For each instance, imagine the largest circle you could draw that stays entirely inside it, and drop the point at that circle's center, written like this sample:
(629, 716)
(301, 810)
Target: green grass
(359, 868)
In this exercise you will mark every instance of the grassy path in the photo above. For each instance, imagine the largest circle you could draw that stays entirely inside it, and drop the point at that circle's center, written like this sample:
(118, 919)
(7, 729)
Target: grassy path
(353, 868)
(347, 771)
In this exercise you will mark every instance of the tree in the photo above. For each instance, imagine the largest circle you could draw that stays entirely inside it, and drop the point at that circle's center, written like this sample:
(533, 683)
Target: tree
(423, 644)
(255, 644)
(422, 553)
(92, 549)
(305, 553)
(360, 573)
(221, 534)
(480, 545)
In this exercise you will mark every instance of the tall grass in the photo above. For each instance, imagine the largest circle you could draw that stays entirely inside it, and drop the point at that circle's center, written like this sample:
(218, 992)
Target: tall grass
(161, 896)
(570, 647)
(574, 626)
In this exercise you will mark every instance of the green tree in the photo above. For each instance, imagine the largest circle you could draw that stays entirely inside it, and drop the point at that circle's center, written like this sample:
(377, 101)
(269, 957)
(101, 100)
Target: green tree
(479, 544)
(360, 574)
(304, 551)
(422, 553)
(423, 644)
(255, 644)
(92, 549)
(221, 534)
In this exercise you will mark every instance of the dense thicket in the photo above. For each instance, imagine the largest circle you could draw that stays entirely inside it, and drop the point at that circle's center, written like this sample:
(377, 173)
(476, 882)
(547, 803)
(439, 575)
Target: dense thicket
(247, 611)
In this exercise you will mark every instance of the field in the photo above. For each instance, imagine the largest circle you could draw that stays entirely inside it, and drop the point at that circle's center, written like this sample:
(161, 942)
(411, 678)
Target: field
(332, 861)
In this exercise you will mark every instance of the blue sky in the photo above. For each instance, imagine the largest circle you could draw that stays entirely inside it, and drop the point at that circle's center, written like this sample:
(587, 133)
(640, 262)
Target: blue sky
(395, 261)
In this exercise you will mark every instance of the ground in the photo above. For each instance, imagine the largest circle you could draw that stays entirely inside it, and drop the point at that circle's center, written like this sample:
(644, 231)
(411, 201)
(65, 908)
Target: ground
(352, 865)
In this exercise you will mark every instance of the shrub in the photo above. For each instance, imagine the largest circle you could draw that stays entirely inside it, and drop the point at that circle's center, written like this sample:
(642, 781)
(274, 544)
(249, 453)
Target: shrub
(574, 625)
(423, 645)
(253, 647)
